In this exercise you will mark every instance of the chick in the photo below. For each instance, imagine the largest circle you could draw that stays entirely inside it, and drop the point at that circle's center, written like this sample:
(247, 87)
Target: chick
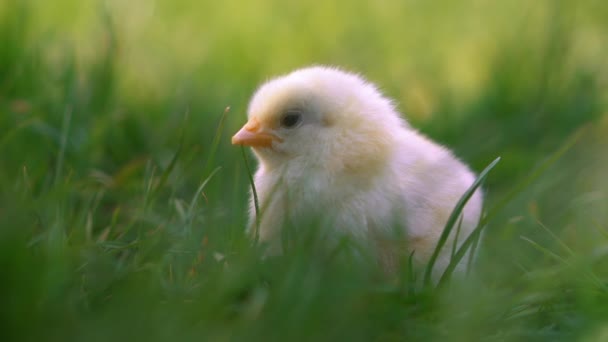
(330, 145)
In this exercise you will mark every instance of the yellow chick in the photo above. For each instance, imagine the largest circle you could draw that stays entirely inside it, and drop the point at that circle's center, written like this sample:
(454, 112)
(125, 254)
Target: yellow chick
(330, 145)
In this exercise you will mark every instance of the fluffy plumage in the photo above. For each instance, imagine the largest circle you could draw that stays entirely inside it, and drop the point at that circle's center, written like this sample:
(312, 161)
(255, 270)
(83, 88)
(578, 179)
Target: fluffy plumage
(330, 145)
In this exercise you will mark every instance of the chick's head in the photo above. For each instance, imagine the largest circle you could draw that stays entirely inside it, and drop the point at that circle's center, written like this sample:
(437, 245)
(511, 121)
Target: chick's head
(320, 118)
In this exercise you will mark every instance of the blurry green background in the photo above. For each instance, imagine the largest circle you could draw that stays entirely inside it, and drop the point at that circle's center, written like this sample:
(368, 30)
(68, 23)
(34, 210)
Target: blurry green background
(113, 116)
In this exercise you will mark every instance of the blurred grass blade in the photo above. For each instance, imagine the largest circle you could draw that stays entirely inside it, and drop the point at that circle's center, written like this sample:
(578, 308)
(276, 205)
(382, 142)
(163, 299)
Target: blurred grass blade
(148, 180)
(256, 203)
(476, 234)
(585, 268)
(556, 238)
(216, 140)
(67, 118)
(200, 190)
(554, 157)
(167, 171)
(10, 134)
(544, 250)
(453, 218)
(411, 276)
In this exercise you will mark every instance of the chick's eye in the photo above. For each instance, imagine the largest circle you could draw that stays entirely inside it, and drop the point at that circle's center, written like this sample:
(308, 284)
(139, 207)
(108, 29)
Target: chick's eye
(291, 120)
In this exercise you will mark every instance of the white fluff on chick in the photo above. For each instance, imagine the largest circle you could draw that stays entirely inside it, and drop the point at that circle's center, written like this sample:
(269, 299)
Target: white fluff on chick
(329, 144)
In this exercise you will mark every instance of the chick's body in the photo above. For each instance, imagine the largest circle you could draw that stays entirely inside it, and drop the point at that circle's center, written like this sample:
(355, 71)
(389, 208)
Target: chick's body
(329, 145)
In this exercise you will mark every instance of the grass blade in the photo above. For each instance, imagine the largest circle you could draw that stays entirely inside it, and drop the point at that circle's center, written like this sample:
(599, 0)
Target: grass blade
(544, 250)
(454, 217)
(256, 203)
(200, 190)
(584, 268)
(216, 140)
(167, 171)
(455, 242)
(597, 282)
(472, 253)
(556, 238)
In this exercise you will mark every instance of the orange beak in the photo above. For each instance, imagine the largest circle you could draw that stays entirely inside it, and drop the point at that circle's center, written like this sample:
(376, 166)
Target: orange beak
(252, 135)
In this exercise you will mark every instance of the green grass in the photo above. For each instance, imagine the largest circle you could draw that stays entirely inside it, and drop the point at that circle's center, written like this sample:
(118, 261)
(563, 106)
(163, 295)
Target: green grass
(123, 205)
